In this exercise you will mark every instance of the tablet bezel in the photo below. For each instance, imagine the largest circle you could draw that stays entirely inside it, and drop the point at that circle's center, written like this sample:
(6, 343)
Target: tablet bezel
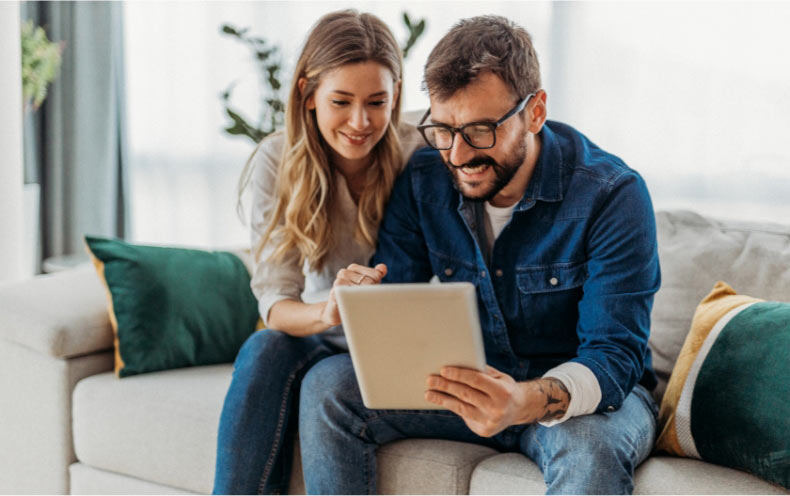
(398, 334)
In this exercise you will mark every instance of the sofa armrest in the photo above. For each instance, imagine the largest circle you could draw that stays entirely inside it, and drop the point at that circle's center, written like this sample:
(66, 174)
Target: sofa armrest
(62, 315)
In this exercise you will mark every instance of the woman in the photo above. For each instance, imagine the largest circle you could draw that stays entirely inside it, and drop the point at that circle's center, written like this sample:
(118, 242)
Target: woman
(319, 193)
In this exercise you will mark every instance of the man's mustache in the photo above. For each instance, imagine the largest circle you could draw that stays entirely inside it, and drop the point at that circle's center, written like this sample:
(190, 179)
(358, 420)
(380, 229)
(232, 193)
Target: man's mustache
(475, 162)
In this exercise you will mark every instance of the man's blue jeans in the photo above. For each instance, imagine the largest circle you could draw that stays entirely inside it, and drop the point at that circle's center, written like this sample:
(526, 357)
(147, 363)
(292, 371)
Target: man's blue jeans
(259, 419)
(591, 454)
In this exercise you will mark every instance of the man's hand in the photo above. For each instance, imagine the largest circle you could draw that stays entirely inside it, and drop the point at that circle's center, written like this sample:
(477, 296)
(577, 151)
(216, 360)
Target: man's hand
(491, 401)
(353, 275)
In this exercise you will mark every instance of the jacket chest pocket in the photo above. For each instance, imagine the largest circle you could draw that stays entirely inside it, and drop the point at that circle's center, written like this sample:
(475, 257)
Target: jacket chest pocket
(549, 296)
(449, 269)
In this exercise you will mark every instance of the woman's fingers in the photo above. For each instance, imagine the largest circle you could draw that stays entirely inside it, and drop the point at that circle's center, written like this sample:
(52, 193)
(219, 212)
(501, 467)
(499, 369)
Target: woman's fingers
(355, 275)
(382, 269)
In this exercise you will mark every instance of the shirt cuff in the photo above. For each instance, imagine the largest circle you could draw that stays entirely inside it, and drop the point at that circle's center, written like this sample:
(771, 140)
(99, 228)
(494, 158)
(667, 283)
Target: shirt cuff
(583, 387)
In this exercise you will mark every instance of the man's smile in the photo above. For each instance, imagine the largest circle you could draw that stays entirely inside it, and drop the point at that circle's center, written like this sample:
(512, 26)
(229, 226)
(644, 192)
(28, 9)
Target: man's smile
(474, 171)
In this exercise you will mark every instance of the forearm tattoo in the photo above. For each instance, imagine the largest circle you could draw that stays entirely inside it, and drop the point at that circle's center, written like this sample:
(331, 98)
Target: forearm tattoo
(557, 399)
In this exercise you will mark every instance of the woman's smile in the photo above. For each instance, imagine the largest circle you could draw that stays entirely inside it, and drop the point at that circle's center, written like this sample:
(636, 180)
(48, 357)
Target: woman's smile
(355, 139)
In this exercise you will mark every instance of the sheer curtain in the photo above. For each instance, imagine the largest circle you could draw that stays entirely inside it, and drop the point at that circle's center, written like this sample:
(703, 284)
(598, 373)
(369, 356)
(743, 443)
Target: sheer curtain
(694, 96)
(75, 145)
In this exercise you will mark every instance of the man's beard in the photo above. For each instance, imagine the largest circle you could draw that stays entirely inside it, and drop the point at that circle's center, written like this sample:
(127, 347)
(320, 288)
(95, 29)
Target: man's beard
(503, 172)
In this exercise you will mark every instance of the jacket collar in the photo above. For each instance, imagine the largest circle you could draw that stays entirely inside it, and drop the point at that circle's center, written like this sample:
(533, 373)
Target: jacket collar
(546, 181)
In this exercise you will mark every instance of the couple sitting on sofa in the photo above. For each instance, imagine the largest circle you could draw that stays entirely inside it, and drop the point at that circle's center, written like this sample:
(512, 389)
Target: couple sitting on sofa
(557, 235)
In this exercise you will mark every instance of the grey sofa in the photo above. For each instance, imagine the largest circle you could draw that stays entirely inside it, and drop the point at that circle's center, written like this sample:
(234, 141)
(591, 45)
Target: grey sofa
(67, 425)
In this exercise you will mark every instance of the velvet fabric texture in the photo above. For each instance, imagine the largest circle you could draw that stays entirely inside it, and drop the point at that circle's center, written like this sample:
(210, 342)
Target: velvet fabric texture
(173, 307)
(727, 399)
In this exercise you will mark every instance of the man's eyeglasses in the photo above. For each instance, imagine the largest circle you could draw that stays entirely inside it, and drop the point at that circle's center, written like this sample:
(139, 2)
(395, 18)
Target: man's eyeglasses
(480, 135)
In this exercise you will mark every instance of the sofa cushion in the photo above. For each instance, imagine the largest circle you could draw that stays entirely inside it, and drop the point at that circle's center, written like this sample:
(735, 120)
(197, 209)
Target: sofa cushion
(428, 466)
(508, 473)
(513, 473)
(173, 307)
(727, 399)
(159, 427)
(89, 480)
(162, 428)
(694, 253)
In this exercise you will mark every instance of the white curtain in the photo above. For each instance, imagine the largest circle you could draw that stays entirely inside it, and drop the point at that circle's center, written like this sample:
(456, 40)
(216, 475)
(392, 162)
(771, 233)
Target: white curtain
(694, 96)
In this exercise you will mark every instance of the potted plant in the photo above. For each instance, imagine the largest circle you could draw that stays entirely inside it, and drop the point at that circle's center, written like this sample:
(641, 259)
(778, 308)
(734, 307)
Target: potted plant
(41, 60)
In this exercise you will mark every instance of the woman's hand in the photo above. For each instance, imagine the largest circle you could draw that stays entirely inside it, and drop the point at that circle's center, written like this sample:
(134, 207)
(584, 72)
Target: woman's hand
(353, 275)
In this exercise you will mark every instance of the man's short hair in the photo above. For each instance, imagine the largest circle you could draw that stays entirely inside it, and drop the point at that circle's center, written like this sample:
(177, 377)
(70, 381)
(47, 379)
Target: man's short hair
(478, 44)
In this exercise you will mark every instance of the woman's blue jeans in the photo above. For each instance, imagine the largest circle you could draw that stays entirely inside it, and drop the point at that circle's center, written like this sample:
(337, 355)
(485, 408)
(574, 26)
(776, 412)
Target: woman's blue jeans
(590, 454)
(260, 415)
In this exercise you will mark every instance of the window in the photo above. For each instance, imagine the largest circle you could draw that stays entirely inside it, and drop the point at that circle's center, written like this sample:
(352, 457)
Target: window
(696, 97)
(184, 169)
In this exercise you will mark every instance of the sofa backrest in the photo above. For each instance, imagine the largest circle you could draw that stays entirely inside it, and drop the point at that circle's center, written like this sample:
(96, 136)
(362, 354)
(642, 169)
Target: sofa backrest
(695, 252)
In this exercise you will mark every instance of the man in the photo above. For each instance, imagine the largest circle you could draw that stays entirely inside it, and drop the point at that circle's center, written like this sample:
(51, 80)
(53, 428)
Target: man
(559, 238)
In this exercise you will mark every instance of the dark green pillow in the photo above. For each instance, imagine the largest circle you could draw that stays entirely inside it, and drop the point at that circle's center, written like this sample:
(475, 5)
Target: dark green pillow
(728, 400)
(173, 307)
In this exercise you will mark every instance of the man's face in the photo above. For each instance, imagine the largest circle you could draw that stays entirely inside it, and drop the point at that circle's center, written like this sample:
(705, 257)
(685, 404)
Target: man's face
(482, 174)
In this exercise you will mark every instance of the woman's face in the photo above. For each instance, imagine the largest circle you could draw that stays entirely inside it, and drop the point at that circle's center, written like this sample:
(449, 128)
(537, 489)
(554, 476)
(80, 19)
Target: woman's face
(353, 105)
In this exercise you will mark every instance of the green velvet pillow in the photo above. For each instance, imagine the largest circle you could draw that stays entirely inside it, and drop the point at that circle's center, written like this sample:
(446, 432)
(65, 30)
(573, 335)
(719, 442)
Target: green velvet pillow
(728, 400)
(173, 307)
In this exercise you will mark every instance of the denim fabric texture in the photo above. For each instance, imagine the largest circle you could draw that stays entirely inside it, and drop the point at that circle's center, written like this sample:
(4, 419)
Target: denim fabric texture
(572, 275)
(589, 454)
(258, 424)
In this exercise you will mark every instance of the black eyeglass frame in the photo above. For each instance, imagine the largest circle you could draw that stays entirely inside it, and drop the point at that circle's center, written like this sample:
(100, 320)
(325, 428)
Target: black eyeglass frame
(460, 130)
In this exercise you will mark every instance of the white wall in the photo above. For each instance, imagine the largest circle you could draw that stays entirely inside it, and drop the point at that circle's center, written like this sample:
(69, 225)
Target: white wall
(11, 179)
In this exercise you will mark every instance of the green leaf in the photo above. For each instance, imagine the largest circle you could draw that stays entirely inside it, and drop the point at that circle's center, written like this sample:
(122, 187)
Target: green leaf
(420, 28)
(241, 127)
(271, 109)
(41, 61)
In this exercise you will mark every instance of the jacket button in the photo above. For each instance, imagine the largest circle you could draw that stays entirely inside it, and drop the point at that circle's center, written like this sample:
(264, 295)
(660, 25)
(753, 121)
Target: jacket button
(448, 271)
(553, 281)
(610, 408)
(499, 272)
(483, 274)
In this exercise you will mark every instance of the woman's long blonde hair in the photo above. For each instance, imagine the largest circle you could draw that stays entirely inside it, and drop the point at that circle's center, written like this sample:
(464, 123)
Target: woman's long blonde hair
(305, 185)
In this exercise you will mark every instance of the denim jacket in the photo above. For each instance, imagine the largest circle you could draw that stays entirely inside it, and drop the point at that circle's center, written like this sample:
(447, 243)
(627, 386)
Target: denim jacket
(571, 277)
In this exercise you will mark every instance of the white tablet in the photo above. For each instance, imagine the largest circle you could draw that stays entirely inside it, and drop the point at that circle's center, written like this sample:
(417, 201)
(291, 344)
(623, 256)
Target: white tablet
(398, 334)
